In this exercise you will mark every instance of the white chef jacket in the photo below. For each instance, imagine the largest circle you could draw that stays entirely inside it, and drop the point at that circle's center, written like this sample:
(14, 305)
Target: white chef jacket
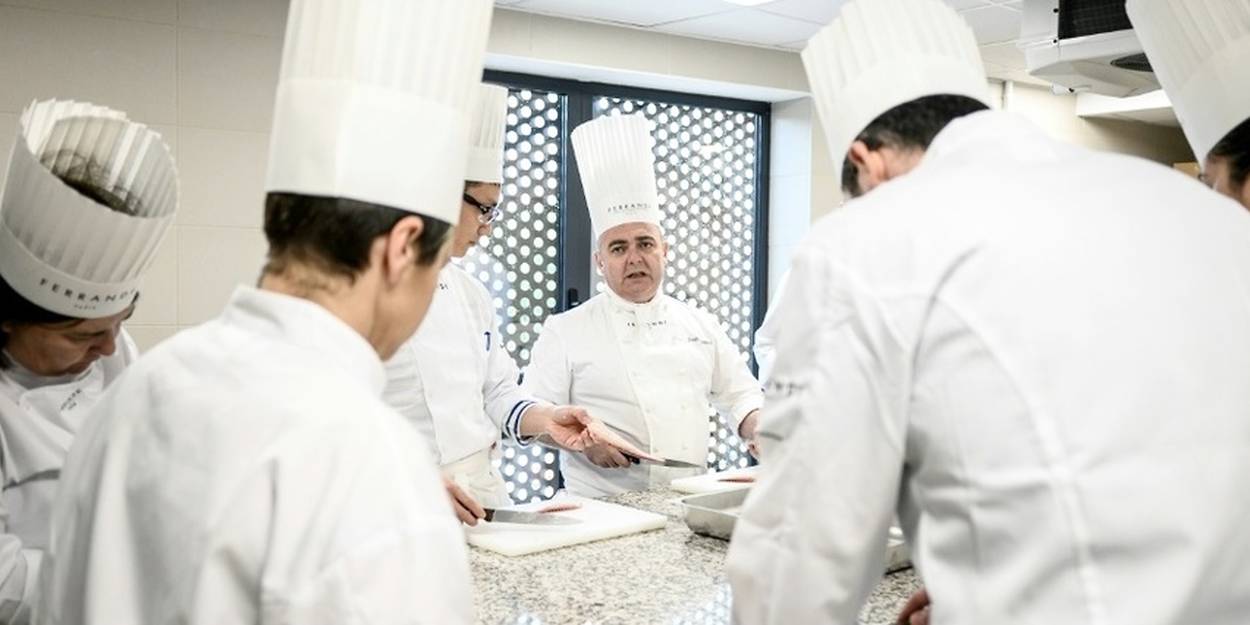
(39, 417)
(455, 381)
(649, 370)
(1040, 355)
(247, 471)
(765, 345)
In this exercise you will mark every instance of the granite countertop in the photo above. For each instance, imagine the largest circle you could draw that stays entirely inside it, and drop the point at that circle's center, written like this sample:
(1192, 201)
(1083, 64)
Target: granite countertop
(670, 576)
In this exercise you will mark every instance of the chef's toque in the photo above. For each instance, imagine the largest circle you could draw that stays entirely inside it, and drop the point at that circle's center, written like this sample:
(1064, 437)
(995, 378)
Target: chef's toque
(878, 54)
(617, 167)
(75, 254)
(374, 101)
(486, 134)
(1200, 51)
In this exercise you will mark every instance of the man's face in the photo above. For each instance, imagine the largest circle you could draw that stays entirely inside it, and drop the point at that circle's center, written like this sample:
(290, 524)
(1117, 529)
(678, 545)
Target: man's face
(1217, 173)
(631, 258)
(470, 228)
(66, 348)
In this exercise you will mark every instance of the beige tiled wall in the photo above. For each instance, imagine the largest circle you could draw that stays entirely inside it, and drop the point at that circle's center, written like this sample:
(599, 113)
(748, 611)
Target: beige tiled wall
(1057, 115)
(226, 80)
(222, 177)
(8, 130)
(580, 50)
(250, 17)
(202, 72)
(798, 164)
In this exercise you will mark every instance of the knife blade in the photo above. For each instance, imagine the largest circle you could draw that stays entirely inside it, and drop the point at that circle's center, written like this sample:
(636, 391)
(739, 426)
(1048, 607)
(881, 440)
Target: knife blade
(494, 515)
(665, 462)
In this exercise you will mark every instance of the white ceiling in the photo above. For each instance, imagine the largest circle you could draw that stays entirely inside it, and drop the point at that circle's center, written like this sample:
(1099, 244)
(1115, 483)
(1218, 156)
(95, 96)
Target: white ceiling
(783, 24)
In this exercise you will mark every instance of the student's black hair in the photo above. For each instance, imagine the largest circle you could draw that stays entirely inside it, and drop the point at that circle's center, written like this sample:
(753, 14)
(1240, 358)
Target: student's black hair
(1234, 149)
(18, 310)
(910, 125)
(334, 235)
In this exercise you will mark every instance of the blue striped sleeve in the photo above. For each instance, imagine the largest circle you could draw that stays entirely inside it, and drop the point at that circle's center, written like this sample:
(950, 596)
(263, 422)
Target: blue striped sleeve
(512, 426)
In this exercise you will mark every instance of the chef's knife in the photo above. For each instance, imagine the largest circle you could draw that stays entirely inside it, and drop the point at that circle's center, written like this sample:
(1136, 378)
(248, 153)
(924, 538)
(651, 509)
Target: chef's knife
(665, 462)
(529, 518)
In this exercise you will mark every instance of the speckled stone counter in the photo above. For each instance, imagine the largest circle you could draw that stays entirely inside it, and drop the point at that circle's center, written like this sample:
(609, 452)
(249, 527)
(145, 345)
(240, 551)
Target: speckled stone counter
(668, 576)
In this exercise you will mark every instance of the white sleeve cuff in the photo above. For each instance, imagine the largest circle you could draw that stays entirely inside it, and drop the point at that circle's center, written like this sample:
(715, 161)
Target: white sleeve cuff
(512, 426)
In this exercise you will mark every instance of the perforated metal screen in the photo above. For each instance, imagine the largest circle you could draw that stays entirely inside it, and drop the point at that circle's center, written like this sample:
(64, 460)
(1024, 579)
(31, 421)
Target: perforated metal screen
(518, 262)
(705, 171)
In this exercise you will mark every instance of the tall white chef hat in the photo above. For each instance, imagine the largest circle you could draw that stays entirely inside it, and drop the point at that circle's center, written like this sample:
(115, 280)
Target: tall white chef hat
(66, 252)
(878, 54)
(617, 167)
(486, 133)
(374, 99)
(1200, 50)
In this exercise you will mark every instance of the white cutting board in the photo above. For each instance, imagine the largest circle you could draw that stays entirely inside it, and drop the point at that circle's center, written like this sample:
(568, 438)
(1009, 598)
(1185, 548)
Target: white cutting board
(600, 520)
(711, 482)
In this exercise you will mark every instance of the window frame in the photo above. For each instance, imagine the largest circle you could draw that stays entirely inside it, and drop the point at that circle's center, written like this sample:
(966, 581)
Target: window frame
(575, 250)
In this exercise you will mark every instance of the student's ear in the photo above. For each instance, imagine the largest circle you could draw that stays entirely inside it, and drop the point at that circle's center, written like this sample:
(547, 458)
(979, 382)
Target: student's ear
(399, 247)
(870, 165)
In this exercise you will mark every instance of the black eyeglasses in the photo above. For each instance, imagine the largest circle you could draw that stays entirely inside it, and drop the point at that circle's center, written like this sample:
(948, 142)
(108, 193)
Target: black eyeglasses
(489, 213)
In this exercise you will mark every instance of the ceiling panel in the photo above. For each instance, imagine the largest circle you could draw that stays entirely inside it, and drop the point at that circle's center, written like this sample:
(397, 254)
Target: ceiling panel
(780, 23)
(785, 24)
(968, 4)
(643, 13)
(994, 24)
(818, 11)
(746, 25)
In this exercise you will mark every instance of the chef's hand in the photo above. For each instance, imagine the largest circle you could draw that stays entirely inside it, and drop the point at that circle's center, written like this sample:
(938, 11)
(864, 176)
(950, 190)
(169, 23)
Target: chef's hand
(563, 426)
(468, 510)
(569, 427)
(572, 428)
(606, 456)
(746, 432)
(603, 434)
(916, 612)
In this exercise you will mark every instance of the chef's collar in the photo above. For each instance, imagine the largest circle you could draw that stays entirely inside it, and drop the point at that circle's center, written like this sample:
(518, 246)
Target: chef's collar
(310, 326)
(1022, 136)
(648, 307)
